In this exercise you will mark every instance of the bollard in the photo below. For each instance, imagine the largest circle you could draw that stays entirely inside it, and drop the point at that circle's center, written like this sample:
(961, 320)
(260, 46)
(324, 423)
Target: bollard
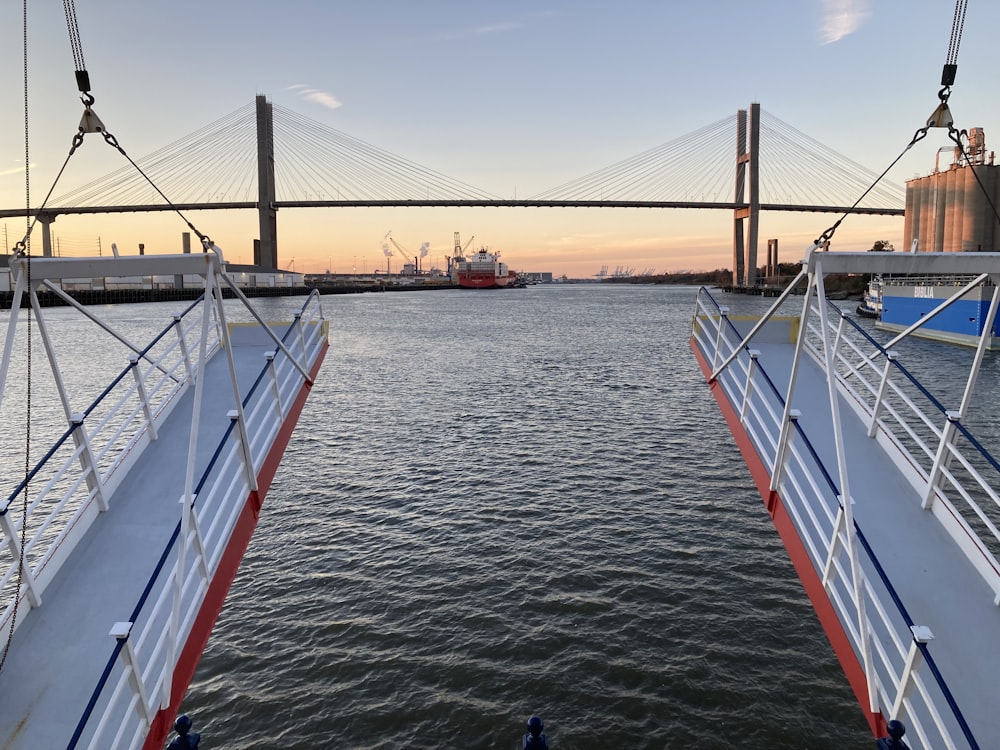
(894, 741)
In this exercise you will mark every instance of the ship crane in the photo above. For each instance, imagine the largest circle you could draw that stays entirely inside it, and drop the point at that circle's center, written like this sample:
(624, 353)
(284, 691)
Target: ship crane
(459, 251)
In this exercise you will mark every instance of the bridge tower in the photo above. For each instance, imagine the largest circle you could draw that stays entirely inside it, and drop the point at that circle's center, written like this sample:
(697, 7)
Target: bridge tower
(747, 171)
(265, 251)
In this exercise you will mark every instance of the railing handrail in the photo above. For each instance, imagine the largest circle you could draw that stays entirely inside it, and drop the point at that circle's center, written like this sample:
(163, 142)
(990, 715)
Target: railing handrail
(869, 552)
(38, 466)
(158, 570)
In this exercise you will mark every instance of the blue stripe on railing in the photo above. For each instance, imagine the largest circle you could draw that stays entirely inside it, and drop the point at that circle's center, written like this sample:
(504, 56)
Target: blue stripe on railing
(961, 428)
(895, 363)
(141, 354)
(116, 652)
(978, 446)
(263, 371)
(818, 460)
(938, 677)
(215, 457)
(869, 552)
(81, 725)
(106, 391)
(38, 467)
(166, 330)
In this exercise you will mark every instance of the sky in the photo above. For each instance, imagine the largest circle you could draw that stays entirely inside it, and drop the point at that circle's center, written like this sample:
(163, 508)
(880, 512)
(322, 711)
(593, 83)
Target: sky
(513, 98)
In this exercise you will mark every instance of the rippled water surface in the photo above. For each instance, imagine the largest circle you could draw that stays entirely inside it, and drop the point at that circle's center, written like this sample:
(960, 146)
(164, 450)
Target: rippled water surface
(517, 502)
(504, 503)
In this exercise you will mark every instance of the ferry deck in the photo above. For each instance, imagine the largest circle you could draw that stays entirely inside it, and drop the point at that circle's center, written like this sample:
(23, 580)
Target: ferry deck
(138, 518)
(904, 578)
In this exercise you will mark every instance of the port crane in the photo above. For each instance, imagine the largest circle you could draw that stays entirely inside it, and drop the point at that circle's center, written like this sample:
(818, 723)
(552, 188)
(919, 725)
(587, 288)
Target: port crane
(406, 254)
(459, 250)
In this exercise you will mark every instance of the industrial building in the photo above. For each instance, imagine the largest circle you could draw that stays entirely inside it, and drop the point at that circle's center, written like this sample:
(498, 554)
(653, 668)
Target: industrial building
(948, 211)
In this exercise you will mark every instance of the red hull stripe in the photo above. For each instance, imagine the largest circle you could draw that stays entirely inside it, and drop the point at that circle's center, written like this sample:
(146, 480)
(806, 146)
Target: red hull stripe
(215, 597)
(797, 553)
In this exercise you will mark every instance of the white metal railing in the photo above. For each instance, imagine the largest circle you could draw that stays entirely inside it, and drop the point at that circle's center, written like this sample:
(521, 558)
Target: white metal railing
(903, 679)
(141, 663)
(942, 459)
(72, 482)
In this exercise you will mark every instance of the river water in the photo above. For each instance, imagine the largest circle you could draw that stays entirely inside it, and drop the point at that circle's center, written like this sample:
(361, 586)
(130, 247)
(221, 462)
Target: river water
(499, 504)
(507, 503)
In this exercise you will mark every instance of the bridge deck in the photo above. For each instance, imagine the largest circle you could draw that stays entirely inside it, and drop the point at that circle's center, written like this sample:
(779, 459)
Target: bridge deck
(61, 648)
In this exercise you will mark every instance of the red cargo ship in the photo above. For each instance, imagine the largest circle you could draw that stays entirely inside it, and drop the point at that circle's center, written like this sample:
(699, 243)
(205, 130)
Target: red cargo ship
(483, 271)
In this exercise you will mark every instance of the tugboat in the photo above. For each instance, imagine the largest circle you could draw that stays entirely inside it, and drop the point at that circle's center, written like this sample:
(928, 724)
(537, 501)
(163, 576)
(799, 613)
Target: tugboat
(871, 304)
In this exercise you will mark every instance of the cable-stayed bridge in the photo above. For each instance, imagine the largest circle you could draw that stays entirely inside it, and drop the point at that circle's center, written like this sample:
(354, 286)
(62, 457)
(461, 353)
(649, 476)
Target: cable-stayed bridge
(266, 157)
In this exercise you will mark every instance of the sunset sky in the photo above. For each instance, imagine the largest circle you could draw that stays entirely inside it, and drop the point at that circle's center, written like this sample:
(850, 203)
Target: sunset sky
(513, 98)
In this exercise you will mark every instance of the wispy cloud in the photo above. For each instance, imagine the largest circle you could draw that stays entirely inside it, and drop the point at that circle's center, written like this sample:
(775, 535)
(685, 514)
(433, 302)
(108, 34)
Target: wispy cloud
(497, 28)
(500, 27)
(842, 18)
(15, 170)
(316, 96)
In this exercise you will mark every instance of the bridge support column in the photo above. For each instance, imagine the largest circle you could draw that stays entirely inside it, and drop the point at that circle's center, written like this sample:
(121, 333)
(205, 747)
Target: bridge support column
(267, 255)
(754, 185)
(747, 176)
(186, 249)
(46, 221)
(739, 245)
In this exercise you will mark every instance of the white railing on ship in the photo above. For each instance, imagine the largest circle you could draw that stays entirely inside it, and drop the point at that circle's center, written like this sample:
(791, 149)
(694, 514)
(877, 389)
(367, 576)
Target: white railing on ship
(942, 459)
(902, 655)
(136, 681)
(71, 483)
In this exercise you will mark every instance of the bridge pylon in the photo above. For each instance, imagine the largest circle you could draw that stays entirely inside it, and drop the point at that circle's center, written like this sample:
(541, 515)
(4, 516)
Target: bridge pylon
(747, 181)
(265, 251)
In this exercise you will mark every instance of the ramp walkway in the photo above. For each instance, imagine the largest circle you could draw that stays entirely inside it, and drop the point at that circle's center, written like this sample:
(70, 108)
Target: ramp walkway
(886, 503)
(138, 517)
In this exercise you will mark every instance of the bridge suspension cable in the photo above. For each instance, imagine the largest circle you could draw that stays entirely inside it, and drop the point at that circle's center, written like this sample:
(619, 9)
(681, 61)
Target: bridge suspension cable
(312, 159)
(314, 163)
(700, 166)
(215, 161)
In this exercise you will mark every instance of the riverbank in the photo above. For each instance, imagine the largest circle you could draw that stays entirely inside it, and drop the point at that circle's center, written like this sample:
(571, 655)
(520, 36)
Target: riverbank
(123, 296)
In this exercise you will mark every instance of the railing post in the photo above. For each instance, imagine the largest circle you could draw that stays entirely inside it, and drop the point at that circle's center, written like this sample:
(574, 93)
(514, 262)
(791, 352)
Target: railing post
(245, 453)
(140, 387)
(14, 546)
(838, 526)
(87, 460)
(723, 317)
(839, 335)
(199, 542)
(184, 347)
(784, 437)
(121, 631)
(914, 658)
(275, 387)
(880, 397)
(940, 458)
(754, 354)
(300, 332)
